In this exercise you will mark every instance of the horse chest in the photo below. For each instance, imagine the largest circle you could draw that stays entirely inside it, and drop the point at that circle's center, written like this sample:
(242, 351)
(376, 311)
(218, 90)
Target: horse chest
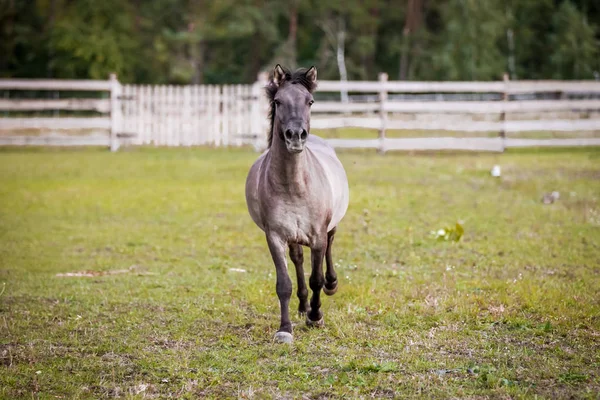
(296, 221)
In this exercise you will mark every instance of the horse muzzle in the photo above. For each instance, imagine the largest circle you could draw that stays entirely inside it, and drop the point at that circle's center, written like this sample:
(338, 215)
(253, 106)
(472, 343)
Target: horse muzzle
(295, 140)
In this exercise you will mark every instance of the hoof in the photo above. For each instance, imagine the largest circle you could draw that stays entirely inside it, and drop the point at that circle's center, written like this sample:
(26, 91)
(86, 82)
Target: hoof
(283, 337)
(302, 311)
(330, 292)
(316, 324)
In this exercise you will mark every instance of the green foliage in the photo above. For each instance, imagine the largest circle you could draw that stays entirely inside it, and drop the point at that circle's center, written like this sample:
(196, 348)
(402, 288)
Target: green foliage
(23, 40)
(452, 234)
(573, 378)
(575, 45)
(470, 42)
(531, 22)
(93, 39)
(230, 41)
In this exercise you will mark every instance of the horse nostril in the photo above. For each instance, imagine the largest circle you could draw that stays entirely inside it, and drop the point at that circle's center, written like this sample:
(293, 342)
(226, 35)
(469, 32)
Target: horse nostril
(303, 135)
(288, 134)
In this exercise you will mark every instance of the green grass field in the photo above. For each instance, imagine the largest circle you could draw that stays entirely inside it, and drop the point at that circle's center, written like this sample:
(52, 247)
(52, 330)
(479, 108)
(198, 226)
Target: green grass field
(510, 311)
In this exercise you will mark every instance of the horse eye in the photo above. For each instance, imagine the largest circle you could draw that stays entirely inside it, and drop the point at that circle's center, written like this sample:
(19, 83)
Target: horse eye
(277, 102)
(310, 103)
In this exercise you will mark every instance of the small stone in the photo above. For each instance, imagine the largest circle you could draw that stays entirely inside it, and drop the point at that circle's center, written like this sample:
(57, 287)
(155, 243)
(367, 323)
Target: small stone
(550, 198)
(496, 171)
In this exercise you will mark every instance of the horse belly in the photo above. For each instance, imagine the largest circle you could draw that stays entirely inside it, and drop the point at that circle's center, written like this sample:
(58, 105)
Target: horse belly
(340, 193)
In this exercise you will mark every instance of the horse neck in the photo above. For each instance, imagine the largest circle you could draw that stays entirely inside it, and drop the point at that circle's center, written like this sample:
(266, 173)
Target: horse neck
(286, 169)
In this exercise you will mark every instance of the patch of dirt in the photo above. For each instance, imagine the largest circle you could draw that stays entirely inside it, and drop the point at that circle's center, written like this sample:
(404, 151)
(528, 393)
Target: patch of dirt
(163, 343)
(383, 393)
(7, 354)
(514, 173)
(92, 274)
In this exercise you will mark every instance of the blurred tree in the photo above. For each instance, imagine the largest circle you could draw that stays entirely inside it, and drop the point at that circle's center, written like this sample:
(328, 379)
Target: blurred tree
(221, 41)
(91, 39)
(363, 25)
(237, 55)
(205, 41)
(575, 46)
(24, 29)
(154, 54)
(347, 37)
(470, 43)
(529, 23)
(413, 20)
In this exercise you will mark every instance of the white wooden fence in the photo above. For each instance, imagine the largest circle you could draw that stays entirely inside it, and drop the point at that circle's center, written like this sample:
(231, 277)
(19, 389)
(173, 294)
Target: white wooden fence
(100, 130)
(504, 118)
(192, 115)
(232, 115)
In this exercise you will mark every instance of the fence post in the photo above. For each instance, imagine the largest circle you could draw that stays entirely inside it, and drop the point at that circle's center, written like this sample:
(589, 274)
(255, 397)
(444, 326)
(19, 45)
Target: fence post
(383, 95)
(258, 111)
(505, 97)
(116, 115)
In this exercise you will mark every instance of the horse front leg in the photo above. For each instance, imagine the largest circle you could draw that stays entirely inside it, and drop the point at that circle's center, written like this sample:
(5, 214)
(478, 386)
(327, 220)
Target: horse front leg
(316, 281)
(297, 256)
(283, 287)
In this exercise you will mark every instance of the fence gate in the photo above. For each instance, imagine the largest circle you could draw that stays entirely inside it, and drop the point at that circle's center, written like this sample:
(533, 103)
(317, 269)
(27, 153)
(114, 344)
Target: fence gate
(165, 115)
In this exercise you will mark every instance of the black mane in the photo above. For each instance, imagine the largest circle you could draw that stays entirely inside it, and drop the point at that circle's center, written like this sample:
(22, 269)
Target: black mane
(298, 76)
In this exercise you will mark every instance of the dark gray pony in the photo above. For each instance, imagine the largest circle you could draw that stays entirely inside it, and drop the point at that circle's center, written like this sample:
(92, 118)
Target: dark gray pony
(297, 193)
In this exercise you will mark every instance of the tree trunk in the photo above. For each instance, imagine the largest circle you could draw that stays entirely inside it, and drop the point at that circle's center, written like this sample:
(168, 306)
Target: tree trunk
(402, 73)
(198, 61)
(49, 27)
(412, 22)
(255, 59)
(341, 58)
(293, 33)
(137, 19)
(9, 43)
(511, 54)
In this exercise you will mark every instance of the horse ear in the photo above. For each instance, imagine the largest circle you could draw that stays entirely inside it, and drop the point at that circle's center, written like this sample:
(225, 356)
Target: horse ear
(278, 75)
(311, 74)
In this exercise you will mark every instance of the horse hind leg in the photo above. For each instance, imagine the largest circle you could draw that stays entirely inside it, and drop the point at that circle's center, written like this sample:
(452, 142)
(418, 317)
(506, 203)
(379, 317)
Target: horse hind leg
(331, 282)
(297, 256)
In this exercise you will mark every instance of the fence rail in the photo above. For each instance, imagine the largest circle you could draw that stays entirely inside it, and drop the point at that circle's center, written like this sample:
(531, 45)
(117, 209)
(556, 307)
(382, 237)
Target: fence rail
(50, 127)
(512, 87)
(98, 105)
(464, 107)
(507, 127)
(232, 115)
